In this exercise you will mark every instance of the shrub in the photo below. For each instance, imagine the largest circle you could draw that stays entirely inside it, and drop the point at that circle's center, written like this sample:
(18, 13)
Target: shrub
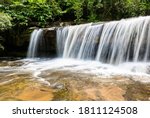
(5, 23)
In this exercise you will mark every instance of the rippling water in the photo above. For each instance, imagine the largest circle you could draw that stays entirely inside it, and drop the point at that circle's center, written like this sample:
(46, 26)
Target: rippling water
(37, 67)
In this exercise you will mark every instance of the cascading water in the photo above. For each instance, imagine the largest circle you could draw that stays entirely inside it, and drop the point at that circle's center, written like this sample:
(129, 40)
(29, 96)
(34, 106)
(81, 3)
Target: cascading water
(104, 59)
(34, 41)
(79, 42)
(112, 42)
(112, 48)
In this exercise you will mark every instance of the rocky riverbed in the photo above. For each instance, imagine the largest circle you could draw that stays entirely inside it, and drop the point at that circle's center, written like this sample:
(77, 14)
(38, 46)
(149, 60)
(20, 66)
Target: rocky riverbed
(18, 81)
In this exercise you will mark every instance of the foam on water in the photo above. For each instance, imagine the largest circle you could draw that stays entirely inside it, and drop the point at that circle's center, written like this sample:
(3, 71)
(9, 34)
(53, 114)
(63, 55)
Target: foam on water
(117, 48)
(137, 71)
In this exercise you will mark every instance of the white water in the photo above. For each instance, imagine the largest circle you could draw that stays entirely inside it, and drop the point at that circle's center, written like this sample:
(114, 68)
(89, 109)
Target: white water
(118, 48)
(113, 42)
(134, 71)
(34, 41)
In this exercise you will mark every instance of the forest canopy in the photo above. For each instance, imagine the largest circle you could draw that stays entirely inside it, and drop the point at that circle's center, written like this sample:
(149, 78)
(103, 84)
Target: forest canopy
(25, 12)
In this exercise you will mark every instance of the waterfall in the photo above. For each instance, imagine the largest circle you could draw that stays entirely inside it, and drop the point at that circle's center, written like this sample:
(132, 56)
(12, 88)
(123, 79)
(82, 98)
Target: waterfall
(34, 41)
(110, 49)
(113, 42)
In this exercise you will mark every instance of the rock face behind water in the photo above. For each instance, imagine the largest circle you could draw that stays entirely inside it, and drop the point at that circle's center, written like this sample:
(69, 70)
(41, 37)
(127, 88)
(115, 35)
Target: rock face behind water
(42, 43)
(50, 39)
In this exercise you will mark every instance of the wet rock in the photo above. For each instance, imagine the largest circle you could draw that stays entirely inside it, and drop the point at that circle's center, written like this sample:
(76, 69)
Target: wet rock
(16, 84)
(50, 41)
(57, 86)
(137, 91)
(47, 43)
(23, 89)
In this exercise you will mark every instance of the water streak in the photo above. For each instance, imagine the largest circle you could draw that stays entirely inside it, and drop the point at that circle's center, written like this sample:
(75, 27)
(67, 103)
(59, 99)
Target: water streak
(34, 41)
(114, 42)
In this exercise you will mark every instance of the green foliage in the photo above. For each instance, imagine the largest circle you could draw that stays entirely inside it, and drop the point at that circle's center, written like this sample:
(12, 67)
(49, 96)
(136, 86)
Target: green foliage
(41, 12)
(136, 7)
(5, 21)
(78, 10)
(93, 7)
(71, 9)
(38, 1)
(98, 10)
(25, 14)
